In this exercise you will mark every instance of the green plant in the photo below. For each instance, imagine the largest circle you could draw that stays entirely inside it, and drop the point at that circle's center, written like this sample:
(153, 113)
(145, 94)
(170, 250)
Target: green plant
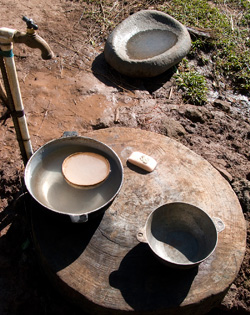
(193, 85)
(228, 23)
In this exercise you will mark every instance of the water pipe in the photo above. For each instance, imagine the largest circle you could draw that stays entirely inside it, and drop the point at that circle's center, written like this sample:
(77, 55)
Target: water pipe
(32, 40)
(7, 64)
(3, 95)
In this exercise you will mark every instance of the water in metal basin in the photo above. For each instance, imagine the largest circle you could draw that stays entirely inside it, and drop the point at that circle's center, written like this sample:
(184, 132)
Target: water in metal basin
(54, 192)
(50, 188)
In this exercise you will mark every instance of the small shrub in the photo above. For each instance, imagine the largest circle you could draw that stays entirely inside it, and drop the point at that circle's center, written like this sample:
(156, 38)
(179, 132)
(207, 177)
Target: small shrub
(194, 87)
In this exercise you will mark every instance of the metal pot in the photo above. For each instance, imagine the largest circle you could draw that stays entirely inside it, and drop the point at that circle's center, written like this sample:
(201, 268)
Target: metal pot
(180, 234)
(46, 184)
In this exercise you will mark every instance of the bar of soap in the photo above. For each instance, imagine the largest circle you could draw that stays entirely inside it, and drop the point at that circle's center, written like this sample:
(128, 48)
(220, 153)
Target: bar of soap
(143, 161)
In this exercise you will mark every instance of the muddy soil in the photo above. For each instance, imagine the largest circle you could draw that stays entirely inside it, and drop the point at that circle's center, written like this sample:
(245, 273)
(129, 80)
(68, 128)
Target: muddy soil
(78, 91)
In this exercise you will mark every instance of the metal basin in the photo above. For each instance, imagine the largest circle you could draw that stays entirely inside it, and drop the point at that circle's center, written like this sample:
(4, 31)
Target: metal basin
(180, 234)
(45, 182)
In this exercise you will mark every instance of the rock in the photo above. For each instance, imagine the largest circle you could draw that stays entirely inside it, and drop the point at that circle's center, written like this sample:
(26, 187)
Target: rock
(195, 115)
(224, 173)
(171, 128)
(147, 44)
(229, 300)
(223, 105)
(127, 117)
(242, 189)
(105, 121)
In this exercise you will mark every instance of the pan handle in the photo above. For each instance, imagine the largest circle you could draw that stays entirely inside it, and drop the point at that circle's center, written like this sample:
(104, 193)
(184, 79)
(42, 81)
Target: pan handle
(70, 134)
(79, 218)
(141, 235)
(219, 224)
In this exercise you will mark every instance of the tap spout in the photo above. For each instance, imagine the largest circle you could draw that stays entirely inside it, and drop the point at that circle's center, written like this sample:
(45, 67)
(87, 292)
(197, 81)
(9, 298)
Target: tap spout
(33, 40)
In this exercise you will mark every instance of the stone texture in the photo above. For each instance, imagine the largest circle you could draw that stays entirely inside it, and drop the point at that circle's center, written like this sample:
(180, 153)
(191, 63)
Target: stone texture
(223, 105)
(142, 24)
(242, 190)
(171, 128)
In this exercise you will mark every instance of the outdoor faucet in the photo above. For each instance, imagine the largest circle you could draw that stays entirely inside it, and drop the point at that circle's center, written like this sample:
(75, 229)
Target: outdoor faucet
(32, 40)
(12, 91)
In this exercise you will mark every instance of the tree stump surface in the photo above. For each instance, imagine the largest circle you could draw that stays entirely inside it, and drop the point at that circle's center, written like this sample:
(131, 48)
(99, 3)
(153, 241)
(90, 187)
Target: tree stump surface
(101, 266)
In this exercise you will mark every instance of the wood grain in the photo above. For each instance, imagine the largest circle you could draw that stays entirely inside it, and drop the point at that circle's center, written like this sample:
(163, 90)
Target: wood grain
(101, 266)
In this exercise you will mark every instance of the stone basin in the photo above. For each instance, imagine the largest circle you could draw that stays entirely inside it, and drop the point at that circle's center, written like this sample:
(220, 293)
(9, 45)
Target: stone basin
(150, 43)
(147, 44)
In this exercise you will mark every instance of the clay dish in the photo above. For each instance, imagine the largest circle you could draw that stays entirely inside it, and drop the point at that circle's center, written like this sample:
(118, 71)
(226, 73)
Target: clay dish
(85, 169)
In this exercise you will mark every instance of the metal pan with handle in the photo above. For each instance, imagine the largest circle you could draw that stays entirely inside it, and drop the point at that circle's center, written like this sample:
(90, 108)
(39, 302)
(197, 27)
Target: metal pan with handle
(45, 182)
(180, 234)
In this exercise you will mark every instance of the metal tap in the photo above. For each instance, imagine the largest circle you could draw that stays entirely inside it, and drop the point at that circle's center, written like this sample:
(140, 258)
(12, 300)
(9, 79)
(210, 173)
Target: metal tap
(14, 101)
(32, 40)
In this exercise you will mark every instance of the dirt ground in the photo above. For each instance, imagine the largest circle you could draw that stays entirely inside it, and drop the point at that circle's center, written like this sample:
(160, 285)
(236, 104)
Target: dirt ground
(78, 91)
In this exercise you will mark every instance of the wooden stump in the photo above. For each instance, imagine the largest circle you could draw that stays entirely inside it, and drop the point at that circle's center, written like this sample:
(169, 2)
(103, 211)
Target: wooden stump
(101, 266)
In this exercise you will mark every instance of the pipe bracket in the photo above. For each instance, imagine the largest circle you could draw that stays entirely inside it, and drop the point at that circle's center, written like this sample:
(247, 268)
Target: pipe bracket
(7, 53)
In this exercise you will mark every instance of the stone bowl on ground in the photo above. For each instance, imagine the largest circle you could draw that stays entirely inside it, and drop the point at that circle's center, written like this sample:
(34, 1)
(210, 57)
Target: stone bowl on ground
(147, 44)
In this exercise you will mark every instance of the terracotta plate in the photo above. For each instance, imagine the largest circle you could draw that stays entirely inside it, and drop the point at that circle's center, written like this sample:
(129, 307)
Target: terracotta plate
(85, 169)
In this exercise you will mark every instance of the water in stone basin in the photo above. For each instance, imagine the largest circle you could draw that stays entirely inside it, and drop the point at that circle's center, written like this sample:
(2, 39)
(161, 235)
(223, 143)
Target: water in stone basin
(150, 43)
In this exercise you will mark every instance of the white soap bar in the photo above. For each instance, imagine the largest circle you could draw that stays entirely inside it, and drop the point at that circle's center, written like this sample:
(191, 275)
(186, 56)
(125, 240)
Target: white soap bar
(143, 161)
